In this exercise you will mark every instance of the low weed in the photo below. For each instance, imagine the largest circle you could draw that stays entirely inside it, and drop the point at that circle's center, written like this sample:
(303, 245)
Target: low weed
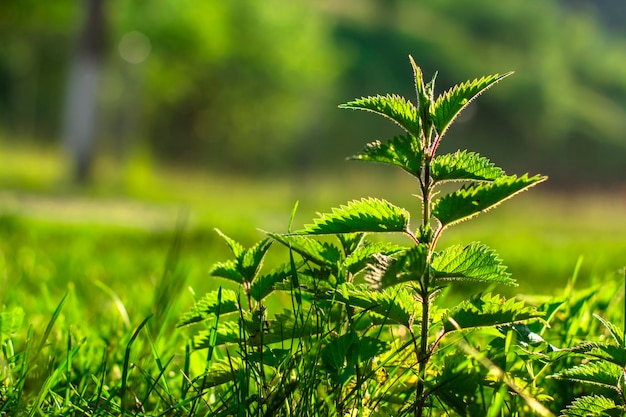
(362, 315)
(365, 330)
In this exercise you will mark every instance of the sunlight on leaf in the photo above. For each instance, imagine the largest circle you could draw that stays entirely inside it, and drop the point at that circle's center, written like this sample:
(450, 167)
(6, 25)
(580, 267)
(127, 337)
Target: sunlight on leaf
(474, 262)
(478, 197)
(366, 215)
(463, 165)
(453, 101)
(392, 106)
(402, 151)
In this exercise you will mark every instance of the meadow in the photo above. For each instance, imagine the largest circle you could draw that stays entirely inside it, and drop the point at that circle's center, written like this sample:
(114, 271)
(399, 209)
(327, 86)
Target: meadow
(81, 269)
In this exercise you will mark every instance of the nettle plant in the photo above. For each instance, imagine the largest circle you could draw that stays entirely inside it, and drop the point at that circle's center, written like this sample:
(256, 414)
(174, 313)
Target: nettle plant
(364, 333)
(604, 366)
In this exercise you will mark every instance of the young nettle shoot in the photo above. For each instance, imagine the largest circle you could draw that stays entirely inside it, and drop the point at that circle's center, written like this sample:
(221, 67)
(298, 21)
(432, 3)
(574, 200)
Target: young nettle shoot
(364, 328)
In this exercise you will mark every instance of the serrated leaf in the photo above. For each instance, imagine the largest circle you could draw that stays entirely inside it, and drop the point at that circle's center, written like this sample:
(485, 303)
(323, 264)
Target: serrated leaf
(611, 353)
(256, 331)
(309, 280)
(270, 356)
(403, 151)
(284, 327)
(391, 106)
(341, 354)
(616, 332)
(227, 270)
(475, 262)
(592, 406)
(366, 253)
(235, 247)
(208, 305)
(452, 102)
(265, 284)
(463, 165)
(228, 332)
(251, 259)
(424, 94)
(366, 215)
(405, 266)
(321, 253)
(247, 264)
(598, 373)
(395, 305)
(260, 333)
(222, 371)
(478, 197)
(350, 241)
(605, 351)
(486, 311)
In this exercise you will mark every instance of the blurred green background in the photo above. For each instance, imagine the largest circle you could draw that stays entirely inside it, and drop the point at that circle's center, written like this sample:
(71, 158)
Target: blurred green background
(252, 87)
(118, 116)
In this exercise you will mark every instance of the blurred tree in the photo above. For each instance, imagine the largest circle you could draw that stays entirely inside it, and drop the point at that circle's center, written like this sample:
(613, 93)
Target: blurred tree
(235, 84)
(245, 84)
(33, 59)
(82, 90)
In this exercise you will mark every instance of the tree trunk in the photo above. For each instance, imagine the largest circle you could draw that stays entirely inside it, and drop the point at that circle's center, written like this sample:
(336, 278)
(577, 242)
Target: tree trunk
(82, 91)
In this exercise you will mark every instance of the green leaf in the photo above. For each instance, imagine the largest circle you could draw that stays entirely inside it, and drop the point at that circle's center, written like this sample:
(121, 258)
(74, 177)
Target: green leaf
(392, 106)
(351, 241)
(598, 373)
(408, 265)
(260, 332)
(321, 253)
(425, 95)
(228, 332)
(395, 305)
(526, 337)
(611, 353)
(222, 371)
(593, 406)
(208, 305)
(616, 332)
(265, 284)
(475, 262)
(247, 264)
(486, 311)
(463, 165)
(342, 353)
(273, 357)
(366, 254)
(284, 327)
(309, 280)
(252, 259)
(478, 197)
(236, 248)
(227, 270)
(452, 102)
(403, 151)
(605, 351)
(366, 215)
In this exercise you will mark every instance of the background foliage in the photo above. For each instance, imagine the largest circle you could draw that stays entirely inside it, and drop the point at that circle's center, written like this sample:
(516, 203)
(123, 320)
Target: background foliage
(238, 85)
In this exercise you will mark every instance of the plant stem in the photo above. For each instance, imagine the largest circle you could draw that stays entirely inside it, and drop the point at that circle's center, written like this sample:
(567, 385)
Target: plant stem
(426, 190)
(423, 355)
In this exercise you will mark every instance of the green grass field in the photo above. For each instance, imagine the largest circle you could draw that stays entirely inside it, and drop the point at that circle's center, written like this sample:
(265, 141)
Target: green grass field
(140, 243)
(118, 232)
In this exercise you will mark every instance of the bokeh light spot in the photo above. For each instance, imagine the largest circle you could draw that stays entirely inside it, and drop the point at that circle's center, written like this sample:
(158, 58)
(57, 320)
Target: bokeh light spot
(134, 47)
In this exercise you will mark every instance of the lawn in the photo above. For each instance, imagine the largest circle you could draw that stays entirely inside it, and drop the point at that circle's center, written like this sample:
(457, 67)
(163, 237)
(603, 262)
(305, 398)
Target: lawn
(142, 244)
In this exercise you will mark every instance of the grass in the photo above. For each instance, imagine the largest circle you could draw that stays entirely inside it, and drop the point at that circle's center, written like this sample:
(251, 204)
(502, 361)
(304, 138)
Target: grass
(113, 250)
